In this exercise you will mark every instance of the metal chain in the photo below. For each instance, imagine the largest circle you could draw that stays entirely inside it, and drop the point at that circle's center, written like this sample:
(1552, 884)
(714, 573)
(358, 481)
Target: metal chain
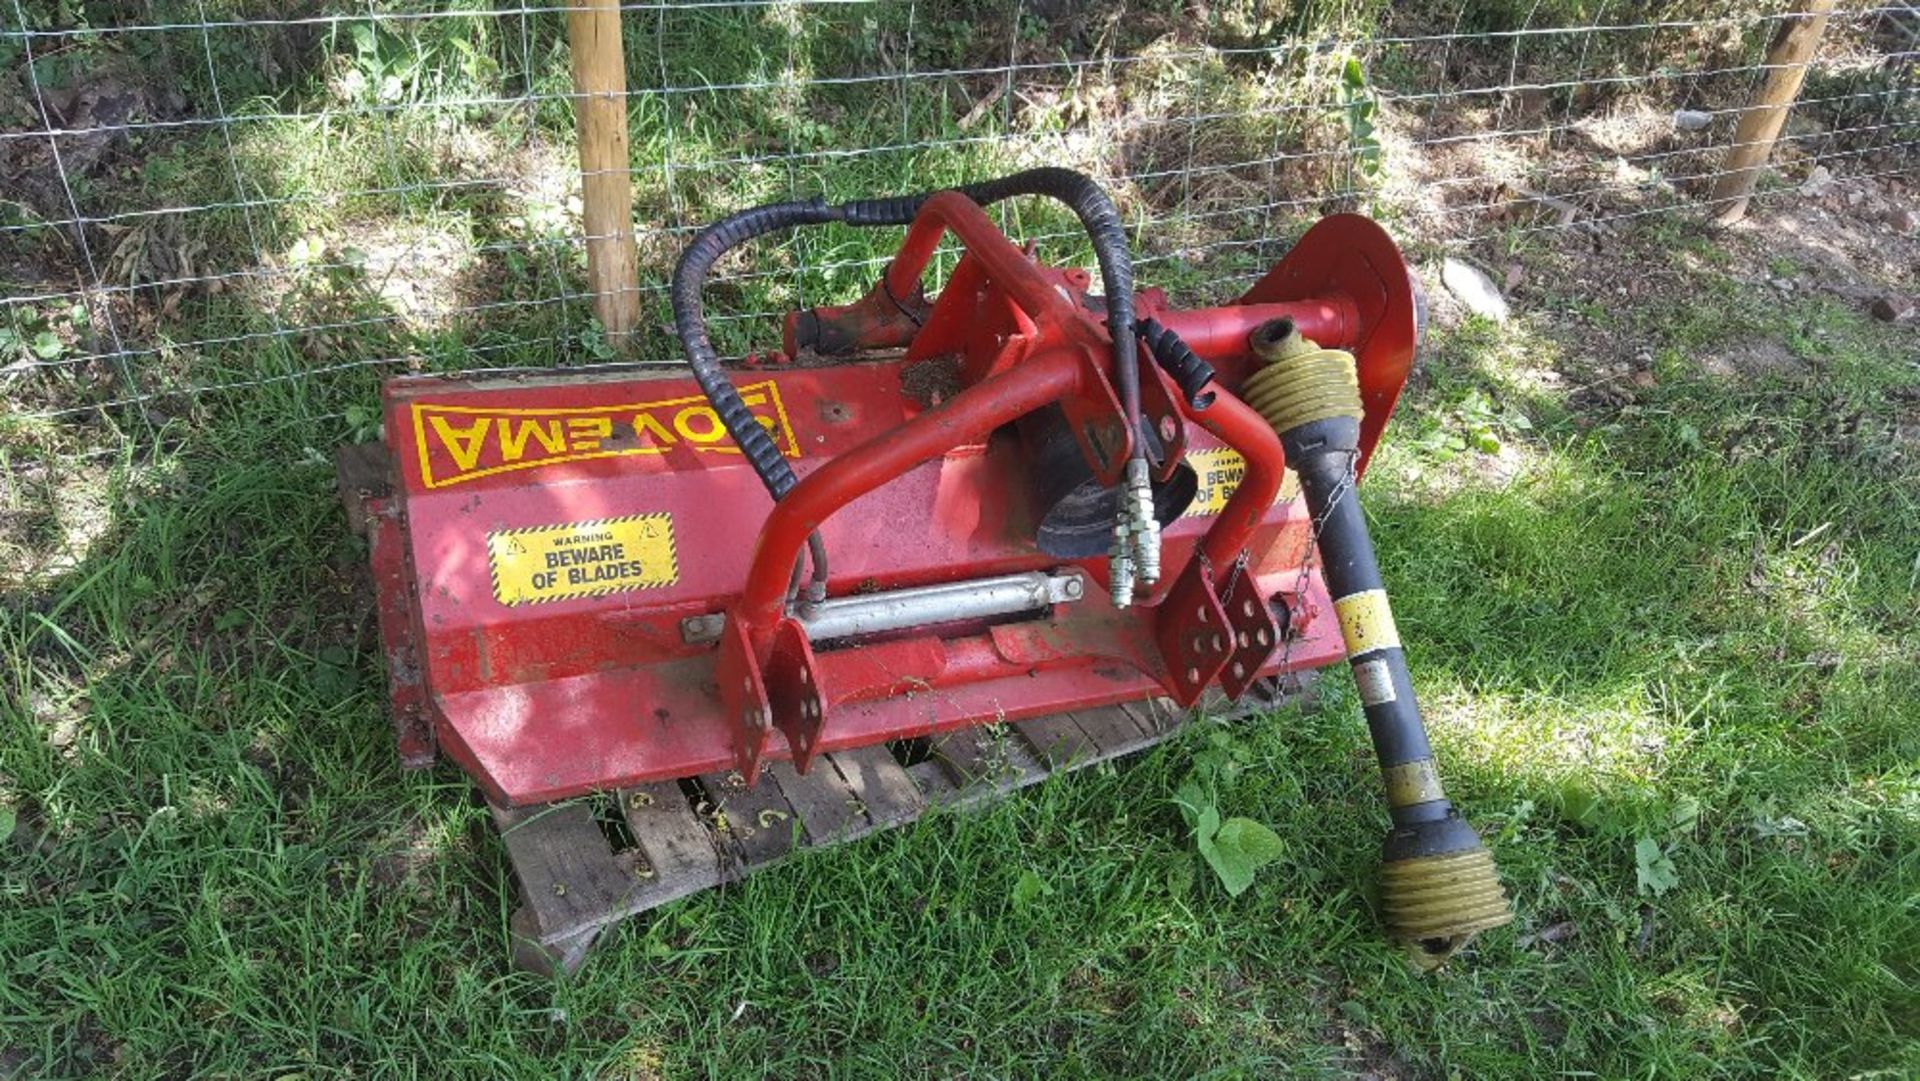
(1311, 556)
(1233, 579)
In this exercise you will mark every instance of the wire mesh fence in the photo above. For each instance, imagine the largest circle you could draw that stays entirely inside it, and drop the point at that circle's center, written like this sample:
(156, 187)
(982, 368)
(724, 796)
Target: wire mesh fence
(208, 203)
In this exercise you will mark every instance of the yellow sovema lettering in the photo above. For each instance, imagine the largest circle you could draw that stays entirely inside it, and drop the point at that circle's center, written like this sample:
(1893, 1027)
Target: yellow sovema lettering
(513, 438)
(528, 438)
(462, 443)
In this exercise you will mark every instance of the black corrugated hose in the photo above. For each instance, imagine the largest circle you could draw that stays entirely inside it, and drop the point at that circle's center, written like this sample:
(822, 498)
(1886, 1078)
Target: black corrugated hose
(1177, 359)
(1077, 190)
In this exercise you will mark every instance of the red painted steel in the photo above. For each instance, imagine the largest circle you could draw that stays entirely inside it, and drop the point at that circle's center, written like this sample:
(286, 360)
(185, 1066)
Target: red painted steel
(594, 577)
(1348, 256)
(879, 320)
(413, 734)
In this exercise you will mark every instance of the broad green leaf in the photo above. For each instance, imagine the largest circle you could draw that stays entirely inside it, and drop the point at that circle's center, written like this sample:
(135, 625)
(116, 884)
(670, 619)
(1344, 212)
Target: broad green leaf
(47, 345)
(1352, 74)
(1654, 871)
(1029, 889)
(1578, 803)
(1239, 848)
(1207, 826)
(1686, 813)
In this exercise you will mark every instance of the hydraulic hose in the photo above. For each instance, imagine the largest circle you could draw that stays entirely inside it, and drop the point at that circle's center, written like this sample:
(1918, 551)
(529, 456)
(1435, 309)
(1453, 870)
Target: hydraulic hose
(1179, 361)
(1135, 550)
(689, 321)
(1078, 191)
(1438, 882)
(1102, 223)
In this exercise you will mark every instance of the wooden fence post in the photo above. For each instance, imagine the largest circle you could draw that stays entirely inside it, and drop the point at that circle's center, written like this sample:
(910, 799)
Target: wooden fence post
(1760, 124)
(600, 81)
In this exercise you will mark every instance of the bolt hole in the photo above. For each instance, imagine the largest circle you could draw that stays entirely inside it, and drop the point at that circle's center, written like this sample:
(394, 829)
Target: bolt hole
(1243, 639)
(1193, 675)
(1272, 332)
(1239, 670)
(806, 677)
(1216, 644)
(1169, 428)
(1263, 636)
(1202, 613)
(1247, 608)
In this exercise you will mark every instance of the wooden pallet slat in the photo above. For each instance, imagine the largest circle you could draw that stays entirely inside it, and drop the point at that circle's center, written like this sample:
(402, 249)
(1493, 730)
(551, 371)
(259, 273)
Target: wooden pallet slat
(970, 756)
(680, 851)
(987, 757)
(826, 806)
(881, 785)
(361, 475)
(557, 957)
(757, 824)
(1115, 730)
(1059, 740)
(1157, 717)
(567, 873)
(936, 783)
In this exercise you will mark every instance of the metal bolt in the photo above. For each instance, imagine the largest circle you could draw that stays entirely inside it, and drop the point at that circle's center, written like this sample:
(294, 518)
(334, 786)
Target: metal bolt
(700, 630)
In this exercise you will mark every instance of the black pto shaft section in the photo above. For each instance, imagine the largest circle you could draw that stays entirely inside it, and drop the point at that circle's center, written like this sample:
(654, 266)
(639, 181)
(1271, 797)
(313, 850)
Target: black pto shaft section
(1438, 883)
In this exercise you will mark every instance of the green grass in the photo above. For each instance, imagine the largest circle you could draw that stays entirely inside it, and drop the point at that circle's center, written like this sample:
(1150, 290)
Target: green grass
(1684, 620)
(219, 870)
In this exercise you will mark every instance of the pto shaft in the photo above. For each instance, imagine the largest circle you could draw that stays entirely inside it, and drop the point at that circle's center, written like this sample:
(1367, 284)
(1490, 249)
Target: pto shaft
(1438, 882)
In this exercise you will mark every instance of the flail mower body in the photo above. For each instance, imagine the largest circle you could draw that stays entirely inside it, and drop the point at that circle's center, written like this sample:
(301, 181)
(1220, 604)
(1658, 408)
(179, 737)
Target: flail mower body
(985, 508)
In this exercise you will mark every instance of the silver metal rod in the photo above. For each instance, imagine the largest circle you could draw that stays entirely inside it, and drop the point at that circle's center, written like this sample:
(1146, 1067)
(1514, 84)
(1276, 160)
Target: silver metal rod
(979, 598)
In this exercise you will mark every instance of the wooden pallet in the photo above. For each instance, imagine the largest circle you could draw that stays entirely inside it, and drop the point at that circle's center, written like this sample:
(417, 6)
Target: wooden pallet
(581, 873)
(587, 864)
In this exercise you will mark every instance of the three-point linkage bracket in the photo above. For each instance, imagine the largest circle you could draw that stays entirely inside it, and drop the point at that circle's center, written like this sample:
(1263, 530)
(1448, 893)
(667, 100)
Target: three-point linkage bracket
(1194, 635)
(1207, 632)
(784, 695)
(1255, 630)
(743, 691)
(794, 691)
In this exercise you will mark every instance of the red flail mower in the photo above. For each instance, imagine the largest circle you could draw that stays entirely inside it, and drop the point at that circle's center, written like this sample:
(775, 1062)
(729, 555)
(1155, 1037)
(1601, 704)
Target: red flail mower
(773, 604)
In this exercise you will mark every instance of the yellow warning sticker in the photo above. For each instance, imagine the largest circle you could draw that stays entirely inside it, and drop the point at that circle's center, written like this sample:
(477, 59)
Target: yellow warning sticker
(1366, 623)
(1221, 469)
(582, 559)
